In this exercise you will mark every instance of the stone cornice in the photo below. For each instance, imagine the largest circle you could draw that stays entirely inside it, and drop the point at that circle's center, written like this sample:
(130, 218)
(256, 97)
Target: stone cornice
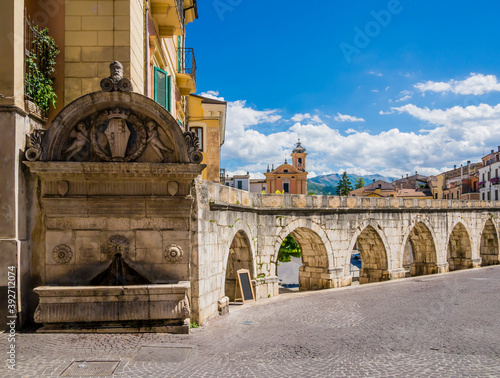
(98, 170)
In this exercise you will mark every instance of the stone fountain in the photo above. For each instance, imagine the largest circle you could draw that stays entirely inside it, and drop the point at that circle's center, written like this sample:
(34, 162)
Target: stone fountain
(113, 176)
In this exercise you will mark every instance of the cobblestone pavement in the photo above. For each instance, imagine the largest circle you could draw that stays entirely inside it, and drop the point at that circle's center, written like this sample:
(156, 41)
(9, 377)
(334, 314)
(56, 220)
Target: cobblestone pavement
(433, 326)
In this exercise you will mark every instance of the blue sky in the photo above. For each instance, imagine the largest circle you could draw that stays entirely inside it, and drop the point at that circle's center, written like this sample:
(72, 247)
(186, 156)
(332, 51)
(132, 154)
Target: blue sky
(385, 87)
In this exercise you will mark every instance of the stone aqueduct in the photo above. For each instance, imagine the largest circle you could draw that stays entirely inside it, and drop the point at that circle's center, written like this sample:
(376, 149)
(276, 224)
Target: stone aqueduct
(237, 229)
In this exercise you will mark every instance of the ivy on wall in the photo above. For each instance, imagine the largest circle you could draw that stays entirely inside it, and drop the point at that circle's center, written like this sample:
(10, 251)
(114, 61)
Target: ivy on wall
(41, 63)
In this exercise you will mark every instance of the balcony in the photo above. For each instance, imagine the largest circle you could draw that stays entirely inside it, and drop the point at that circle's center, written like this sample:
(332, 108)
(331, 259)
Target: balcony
(169, 14)
(186, 76)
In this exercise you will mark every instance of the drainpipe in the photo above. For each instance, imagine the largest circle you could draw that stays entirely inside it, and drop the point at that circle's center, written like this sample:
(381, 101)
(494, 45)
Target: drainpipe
(146, 49)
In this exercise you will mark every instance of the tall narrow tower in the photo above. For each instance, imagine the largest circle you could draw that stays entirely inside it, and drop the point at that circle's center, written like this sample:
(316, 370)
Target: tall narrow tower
(299, 157)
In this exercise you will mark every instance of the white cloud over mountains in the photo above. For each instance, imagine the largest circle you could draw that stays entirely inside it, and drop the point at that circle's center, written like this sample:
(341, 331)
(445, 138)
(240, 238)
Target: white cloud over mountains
(448, 136)
(476, 84)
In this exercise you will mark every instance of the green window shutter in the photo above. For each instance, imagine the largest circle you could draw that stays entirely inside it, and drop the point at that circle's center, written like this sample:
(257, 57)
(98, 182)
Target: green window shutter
(179, 51)
(162, 88)
(169, 91)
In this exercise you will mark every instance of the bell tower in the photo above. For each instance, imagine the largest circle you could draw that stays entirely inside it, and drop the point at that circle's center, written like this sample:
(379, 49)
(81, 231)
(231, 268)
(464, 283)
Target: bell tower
(299, 157)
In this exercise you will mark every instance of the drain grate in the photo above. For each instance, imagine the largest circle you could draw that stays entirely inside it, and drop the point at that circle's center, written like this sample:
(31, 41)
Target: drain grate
(90, 368)
(165, 355)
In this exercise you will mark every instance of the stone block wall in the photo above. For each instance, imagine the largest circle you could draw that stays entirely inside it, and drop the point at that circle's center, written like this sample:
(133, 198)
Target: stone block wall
(99, 32)
(329, 227)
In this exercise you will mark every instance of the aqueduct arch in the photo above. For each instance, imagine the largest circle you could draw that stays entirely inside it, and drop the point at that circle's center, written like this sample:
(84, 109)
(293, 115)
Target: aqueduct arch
(488, 249)
(374, 262)
(423, 250)
(316, 254)
(239, 257)
(459, 248)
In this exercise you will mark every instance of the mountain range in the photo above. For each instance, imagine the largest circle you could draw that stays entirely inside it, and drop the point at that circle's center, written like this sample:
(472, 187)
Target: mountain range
(322, 184)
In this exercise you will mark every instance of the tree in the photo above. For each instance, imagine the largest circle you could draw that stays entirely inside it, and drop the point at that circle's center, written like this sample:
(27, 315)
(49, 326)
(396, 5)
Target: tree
(288, 248)
(359, 183)
(329, 190)
(344, 186)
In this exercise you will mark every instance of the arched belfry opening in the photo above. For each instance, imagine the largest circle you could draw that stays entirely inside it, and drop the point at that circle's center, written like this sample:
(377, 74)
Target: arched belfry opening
(459, 249)
(488, 249)
(313, 273)
(420, 256)
(240, 257)
(374, 267)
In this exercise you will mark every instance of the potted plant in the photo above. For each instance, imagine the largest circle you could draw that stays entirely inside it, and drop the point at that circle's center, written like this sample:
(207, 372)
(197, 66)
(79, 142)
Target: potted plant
(40, 65)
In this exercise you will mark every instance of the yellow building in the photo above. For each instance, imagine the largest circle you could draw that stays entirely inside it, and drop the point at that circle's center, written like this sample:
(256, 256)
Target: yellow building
(207, 117)
(289, 178)
(378, 188)
(146, 36)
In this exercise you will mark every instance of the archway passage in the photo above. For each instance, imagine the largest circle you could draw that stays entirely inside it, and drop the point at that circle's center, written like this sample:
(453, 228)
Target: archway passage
(373, 257)
(488, 249)
(240, 257)
(423, 256)
(459, 249)
(314, 272)
(289, 263)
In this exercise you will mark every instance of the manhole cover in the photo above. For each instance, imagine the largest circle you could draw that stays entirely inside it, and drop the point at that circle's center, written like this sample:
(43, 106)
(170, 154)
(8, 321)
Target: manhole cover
(163, 354)
(90, 368)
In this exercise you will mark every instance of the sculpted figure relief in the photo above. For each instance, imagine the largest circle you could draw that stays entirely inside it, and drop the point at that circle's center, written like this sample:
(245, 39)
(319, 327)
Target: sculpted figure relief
(155, 142)
(80, 141)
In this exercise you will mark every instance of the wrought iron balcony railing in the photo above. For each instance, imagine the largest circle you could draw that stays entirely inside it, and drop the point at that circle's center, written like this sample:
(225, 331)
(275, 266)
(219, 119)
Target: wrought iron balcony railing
(187, 61)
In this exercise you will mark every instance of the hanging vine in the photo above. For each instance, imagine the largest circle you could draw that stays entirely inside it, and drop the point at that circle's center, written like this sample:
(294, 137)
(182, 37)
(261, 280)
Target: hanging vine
(41, 63)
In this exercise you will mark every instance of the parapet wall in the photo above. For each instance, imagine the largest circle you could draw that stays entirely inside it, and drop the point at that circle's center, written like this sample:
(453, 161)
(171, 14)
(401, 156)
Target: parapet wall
(220, 195)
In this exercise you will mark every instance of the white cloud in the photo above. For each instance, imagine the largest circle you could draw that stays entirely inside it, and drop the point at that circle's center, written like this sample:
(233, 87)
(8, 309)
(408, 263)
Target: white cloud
(212, 94)
(316, 119)
(452, 136)
(404, 98)
(347, 118)
(375, 90)
(300, 117)
(375, 73)
(475, 84)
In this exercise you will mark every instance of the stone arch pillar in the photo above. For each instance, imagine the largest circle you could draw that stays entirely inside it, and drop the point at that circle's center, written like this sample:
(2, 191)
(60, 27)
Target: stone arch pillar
(423, 251)
(374, 264)
(488, 248)
(459, 249)
(316, 272)
(239, 257)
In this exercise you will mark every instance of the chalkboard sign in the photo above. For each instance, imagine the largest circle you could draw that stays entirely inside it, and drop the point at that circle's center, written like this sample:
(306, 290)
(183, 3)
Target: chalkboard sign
(245, 286)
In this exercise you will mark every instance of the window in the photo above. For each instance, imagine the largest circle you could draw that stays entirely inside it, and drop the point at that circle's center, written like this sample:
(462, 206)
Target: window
(162, 88)
(299, 160)
(240, 184)
(489, 175)
(496, 195)
(489, 196)
(199, 132)
(483, 196)
(483, 179)
(286, 187)
(496, 172)
(227, 184)
(285, 170)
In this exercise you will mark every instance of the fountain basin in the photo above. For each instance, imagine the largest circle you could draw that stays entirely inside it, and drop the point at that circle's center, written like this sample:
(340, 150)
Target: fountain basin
(134, 308)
